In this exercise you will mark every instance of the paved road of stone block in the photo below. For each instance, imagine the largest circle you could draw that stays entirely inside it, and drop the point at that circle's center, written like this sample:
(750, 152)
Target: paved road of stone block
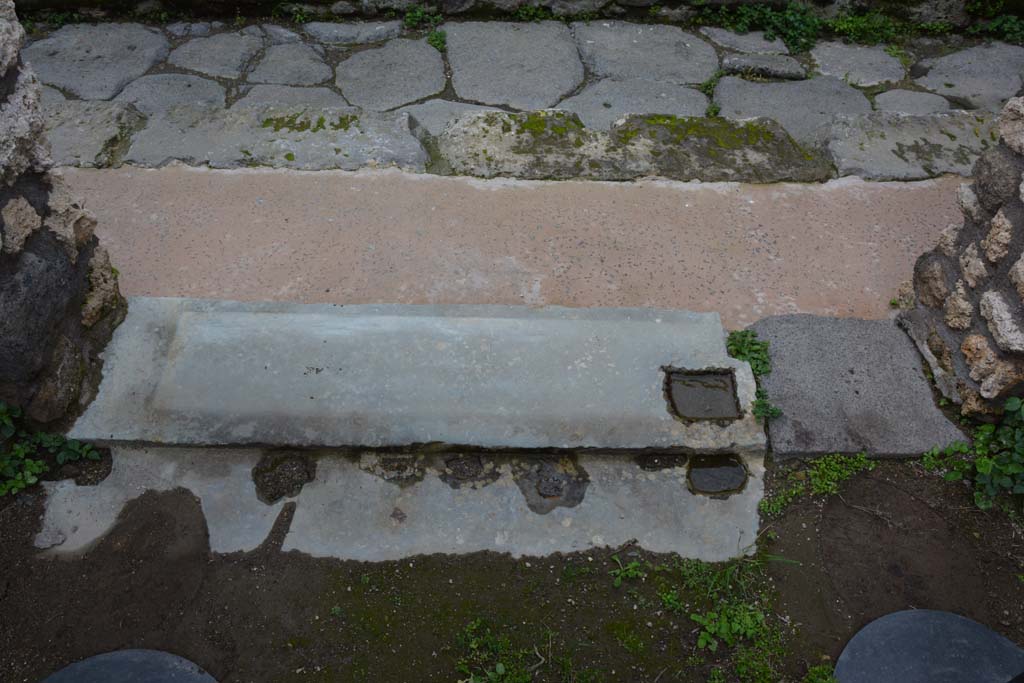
(841, 248)
(600, 70)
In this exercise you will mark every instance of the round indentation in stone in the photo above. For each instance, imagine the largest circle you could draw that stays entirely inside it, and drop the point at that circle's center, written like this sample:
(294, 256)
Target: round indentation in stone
(717, 475)
(469, 469)
(547, 483)
(281, 474)
(132, 666)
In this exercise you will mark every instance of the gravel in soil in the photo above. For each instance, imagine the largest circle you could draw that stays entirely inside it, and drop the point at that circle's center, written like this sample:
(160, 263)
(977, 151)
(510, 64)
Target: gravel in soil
(894, 539)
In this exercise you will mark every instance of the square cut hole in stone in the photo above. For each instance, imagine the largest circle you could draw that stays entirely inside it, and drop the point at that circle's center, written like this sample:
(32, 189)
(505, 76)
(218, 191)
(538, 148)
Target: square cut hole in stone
(702, 394)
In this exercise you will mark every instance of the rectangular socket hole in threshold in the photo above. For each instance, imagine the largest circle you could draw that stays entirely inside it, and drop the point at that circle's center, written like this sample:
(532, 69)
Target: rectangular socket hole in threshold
(702, 394)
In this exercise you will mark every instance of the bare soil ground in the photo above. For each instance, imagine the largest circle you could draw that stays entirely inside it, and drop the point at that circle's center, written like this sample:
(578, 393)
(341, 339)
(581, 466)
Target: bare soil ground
(895, 538)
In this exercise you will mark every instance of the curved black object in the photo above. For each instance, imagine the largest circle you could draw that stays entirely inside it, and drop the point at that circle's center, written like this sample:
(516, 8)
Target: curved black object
(132, 666)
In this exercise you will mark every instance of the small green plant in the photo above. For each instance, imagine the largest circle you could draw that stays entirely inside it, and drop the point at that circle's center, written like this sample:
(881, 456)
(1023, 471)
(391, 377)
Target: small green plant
(671, 600)
(729, 623)
(532, 13)
(654, 11)
(708, 86)
(995, 461)
(717, 676)
(744, 345)
(713, 110)
(630, 570)
(795, 24)
(20, 451)
(1006, 27)
(438, 40)
(985, 9)
(906, 60)
(870, 28)
(823, 477)
(18, 471)
(422, 16)
(490, 658)
(763, 409)
(336, 611)
(823, 673)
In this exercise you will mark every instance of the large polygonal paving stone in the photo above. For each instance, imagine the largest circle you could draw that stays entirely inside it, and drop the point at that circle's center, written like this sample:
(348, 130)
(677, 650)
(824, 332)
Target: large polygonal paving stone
(291, 64)
(618, 49)
(224, 55)
(929, 646)
(846, 385)
(601, 104)
(132, 666)
(752, 42)
(353, 33)
(984, 76)
(857, 64)
(820, 100)
(525, 66)
(159, 92)
(95, 62)
(87, 133)
(911, 102)
(291, 95)
(400, 72)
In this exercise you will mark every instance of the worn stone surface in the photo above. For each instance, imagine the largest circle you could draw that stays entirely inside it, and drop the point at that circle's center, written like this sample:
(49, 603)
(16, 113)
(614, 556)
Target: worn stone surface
(279, 35)
(984, 76)
(822, 100)
(996, 243)
(857, 64)
(525, 66)
(765, 66)
(400, 72)
(923, 646)
(290, 64)
(847, 385)
(444, 369)
(290, 96)
(602, 103)
(959, 311)
(618, 49)
(90, 134)
(1016, 275)
(351, 512)
(435, 115)
(752, 42)
(185, 29)
(893, 146)
(279, 136)
(159, 92)
(224, 55)
(911, 102)
(354, 33)
(76, 516)
(556, 145)
(1002, 322)
(95, 61)
(140, 665)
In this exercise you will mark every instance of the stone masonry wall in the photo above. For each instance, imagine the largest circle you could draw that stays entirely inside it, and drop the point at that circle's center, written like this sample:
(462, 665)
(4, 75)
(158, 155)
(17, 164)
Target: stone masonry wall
(968, 319)
(59, 300)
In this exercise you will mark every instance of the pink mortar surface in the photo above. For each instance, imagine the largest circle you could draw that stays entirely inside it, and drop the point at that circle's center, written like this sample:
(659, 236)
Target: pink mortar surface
(746, 251)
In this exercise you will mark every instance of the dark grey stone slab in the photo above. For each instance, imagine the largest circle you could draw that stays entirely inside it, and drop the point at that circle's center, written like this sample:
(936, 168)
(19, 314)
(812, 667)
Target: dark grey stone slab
(820, 100)
(928, 646)
(846, 385)
(353, 33)
(857, 64)
(224, 55)
(911, 102)
(766, 66)
(985, 76)
(95, 62)
(160, 92)
(524, 66)
(752, 42)
(622, 50)
(399, 72)
(132, 666)
(291, 64)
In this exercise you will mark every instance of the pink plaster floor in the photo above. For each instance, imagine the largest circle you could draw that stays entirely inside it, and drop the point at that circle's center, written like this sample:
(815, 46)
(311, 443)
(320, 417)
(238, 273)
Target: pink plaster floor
(746, 251)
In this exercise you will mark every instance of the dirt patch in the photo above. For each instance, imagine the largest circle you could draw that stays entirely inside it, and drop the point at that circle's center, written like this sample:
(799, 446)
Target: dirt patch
(548, 482)
(897, 539)
(469, 469)
(282, 474)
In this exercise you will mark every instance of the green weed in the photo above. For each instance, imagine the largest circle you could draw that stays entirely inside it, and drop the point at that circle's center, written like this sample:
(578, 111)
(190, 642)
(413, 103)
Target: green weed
(995, 461)
(870, 28)
(795, 24)
(437, 40)
(532, 13)
(823, 477)
(630, 570)
(763, 409)
(744, 345)
(823, 673)
(420, 16)
(20, 451)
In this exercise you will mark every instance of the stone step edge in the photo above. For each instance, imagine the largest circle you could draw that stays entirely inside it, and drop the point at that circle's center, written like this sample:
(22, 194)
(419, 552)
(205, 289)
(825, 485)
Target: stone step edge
(190, 372)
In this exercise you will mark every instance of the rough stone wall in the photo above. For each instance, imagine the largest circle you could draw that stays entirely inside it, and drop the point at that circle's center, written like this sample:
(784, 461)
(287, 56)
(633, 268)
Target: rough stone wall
(59, 301)
(968, 318)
